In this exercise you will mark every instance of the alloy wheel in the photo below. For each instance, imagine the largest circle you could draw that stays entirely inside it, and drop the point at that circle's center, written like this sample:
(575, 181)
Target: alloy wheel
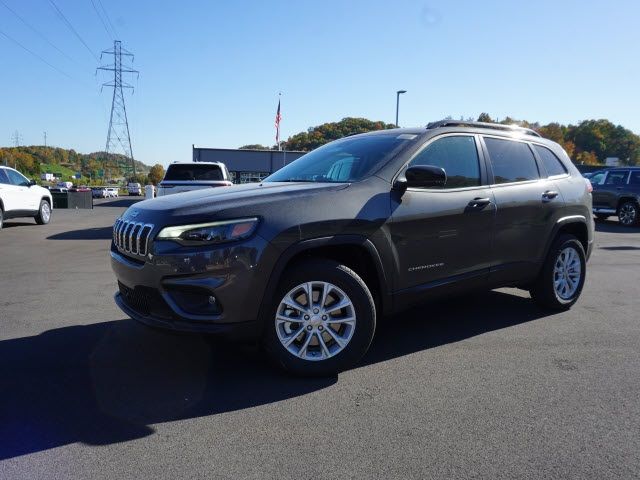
(315, 321)
(627, 214)
(567, 273)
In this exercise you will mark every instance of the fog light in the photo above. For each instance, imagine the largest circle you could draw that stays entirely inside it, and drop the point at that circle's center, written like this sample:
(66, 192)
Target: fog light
(195, 300)
(212, 300)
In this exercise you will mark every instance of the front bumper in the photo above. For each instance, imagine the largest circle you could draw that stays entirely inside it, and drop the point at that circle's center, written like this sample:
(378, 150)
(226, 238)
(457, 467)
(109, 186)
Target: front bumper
(159, 289)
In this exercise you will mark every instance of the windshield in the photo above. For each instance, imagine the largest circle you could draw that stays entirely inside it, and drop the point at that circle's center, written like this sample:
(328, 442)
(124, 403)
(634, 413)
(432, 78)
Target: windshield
(193, 172)
(347, 160)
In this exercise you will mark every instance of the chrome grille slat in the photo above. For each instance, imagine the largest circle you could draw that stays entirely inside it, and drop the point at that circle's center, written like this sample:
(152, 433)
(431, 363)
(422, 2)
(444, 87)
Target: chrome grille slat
(132, 237)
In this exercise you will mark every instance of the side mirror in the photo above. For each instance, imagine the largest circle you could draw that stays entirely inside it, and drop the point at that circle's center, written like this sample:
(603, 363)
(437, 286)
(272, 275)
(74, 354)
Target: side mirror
(425, 176)
(32, 183)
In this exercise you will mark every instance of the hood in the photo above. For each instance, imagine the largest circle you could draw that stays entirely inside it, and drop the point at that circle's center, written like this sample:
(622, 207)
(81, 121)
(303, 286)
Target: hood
(222, 199)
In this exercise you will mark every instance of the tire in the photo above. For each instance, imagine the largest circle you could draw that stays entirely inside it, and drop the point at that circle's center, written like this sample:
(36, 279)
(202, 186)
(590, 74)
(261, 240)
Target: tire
(1, 218)
(44, 213)
(326, 352)
(628, 213)
(544, 291)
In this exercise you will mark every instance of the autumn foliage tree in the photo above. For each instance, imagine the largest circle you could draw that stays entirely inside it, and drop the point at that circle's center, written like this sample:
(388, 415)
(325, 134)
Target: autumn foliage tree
(156, 174)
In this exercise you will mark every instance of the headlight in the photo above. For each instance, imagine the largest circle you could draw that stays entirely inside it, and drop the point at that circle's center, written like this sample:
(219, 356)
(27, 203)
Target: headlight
(210, 233)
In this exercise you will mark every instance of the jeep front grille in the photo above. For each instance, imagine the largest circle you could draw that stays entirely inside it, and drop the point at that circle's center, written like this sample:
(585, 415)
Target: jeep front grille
(132, 237)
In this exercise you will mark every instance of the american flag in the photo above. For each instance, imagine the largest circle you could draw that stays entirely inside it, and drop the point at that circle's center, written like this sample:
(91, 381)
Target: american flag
(278, 118)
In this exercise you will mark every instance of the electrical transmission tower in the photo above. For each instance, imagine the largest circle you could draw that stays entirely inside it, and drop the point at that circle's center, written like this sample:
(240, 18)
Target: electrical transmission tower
(16, 138)
(118, 137)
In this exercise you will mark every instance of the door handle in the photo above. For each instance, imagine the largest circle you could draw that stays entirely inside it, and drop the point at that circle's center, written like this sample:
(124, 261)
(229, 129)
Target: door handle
(549, 195)
(478, 203)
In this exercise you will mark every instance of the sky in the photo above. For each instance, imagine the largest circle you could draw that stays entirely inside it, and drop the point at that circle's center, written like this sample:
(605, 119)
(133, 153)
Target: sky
(211, 71)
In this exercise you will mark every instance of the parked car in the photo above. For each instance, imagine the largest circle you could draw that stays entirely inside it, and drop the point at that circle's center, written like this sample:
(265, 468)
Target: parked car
(21, 197)
(365, 226)
(617, 192)
(135, 189)
(187, 176)
(112, 192)
(99, 192)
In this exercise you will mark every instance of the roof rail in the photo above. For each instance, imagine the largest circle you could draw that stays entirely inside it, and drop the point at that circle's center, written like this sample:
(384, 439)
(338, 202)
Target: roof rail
(494, 126)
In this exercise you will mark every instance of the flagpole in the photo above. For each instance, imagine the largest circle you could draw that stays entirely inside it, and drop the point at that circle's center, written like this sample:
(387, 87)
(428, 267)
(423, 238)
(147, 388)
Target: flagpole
(279, 121)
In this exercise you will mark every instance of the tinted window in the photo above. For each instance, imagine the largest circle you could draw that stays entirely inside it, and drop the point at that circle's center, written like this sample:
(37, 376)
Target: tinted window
(551, 163)
(3, 176)
(459, 158)
(511, 161)
(635, 178)
(618, 177)
(17, 178)
(193, 172)
(346, 160)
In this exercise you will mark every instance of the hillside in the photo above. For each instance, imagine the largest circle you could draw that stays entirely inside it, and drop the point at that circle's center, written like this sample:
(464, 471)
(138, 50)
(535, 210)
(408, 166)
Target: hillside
(33, 160)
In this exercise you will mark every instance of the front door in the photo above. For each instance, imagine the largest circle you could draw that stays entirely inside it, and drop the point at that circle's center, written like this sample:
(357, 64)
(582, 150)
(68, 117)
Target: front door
(24, 198)
(442, 235)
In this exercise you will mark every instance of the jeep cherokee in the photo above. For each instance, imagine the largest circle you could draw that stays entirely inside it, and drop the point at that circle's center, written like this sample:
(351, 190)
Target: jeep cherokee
(365, 226)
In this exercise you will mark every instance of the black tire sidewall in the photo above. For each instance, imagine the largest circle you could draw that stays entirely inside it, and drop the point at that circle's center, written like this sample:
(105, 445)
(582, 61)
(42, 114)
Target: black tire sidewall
(1, 218)
(355, 288)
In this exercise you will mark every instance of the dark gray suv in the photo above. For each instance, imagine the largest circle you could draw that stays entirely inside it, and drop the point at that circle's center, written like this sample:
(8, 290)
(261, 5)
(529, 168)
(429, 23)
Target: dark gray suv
(365, 226)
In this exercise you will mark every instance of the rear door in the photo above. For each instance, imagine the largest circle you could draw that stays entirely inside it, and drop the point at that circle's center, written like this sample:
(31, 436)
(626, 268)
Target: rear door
(608, 193)
(527, 205)
(445, 233)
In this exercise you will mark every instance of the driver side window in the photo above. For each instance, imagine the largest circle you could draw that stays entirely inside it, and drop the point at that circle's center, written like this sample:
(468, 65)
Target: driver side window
(457, 155)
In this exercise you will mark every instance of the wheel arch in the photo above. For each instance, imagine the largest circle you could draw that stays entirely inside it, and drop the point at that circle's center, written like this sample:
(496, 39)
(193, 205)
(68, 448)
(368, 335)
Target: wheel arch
(575, 225)
(354, 251)
(627, 198)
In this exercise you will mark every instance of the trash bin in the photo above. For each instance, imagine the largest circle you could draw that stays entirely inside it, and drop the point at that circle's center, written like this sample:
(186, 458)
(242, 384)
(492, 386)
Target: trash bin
(60, 200)
(149, 191)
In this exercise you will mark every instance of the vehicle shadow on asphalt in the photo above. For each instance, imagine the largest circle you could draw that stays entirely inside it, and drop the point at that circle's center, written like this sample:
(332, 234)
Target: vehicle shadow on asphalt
(109, 382)
(98, 233)
(10, 224)
(121, 202)
(612, 226)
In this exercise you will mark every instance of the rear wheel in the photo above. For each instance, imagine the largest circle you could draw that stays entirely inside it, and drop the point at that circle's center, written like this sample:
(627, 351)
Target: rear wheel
(44, 213)
(322, 320)
(560, 282)
(1, 218)
(628, 213)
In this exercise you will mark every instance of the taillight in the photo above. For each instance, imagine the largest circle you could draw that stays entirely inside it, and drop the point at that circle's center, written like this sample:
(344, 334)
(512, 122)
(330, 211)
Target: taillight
(589, 186)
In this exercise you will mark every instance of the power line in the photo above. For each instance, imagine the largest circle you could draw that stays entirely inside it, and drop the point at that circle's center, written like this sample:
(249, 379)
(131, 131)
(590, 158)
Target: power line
(68, 23)
(36, 55)
(106, 15)
(101, 20)
(41, 35)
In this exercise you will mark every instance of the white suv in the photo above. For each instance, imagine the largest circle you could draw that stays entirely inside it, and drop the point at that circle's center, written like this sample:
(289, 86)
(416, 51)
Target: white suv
(20, 197)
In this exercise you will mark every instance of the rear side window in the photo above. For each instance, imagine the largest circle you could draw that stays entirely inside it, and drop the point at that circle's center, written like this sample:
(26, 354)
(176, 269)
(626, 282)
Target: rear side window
(511, 161)
(634, 180)
(3, 177)
(552, 164)
(193, 172)
(457, 155)
(618, 177)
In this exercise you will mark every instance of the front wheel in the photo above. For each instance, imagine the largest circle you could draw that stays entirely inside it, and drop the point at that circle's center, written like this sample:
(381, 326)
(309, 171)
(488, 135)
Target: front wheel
(44, 213)
(628, 213)
(322, 320)
(562, 277)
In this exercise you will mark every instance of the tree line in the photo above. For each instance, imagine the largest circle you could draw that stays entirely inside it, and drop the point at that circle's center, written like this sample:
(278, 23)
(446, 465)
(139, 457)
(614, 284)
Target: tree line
(589, 142)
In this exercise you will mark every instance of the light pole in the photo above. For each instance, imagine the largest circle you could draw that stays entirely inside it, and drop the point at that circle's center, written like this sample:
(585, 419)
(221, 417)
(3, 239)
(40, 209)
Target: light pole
(398, 93)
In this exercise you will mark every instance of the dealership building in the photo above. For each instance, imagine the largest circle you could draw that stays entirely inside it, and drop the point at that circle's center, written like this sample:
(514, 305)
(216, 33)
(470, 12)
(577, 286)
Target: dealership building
(246, 165)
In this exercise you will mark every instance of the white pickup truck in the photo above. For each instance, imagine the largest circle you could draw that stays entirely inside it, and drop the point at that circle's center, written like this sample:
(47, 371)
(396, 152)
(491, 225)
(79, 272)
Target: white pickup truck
(187, 176)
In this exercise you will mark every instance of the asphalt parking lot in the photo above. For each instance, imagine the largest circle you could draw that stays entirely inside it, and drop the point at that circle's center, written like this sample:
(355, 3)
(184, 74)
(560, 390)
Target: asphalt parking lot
(489, 386)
